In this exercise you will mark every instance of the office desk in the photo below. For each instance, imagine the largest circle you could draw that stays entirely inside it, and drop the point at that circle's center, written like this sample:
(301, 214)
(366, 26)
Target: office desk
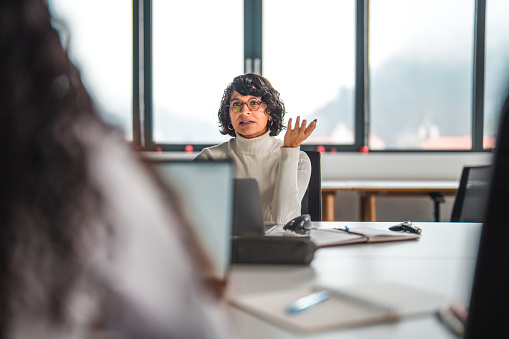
(369, 189)
(442, 261)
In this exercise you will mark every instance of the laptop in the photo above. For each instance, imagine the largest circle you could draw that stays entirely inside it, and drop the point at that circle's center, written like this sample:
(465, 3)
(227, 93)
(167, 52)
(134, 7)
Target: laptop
(247, 210)
(206, 189)
(489, 300)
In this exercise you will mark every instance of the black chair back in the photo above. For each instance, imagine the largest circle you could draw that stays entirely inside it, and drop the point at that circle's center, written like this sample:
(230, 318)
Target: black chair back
(470, 201)
(486, 318)
(312, 201)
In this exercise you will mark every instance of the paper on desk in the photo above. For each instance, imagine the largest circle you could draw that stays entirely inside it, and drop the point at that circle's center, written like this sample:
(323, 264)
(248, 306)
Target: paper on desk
(278, 231)
(338, 312)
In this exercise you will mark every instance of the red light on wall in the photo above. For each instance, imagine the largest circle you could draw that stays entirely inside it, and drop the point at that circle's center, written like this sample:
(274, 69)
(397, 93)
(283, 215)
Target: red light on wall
(158, 149)
(364, 149)
(333, 150)
(320, 149)
(188, 148)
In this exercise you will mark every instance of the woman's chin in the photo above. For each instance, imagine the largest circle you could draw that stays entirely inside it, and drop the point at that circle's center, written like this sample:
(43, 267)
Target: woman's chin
(248, 131)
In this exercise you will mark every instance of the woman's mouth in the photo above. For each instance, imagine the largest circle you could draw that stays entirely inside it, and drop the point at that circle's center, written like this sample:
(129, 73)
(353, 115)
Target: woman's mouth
(246, 123)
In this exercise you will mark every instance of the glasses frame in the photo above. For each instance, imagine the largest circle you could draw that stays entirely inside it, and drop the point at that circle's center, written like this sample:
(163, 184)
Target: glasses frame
(245, 103)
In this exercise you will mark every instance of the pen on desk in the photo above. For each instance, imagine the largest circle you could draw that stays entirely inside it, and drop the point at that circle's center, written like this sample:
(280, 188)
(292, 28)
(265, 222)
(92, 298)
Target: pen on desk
(307, 301)
(270, 229)
(451, 321)
(347, 230)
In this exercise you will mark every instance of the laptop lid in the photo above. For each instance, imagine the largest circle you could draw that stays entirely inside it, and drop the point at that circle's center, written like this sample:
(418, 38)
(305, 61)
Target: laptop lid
(247, 210)
(487, 316)
(207, 192)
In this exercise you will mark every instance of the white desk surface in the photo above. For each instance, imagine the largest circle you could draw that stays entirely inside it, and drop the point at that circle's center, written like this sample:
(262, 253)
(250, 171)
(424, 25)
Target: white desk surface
(380, 184)
(442, 261)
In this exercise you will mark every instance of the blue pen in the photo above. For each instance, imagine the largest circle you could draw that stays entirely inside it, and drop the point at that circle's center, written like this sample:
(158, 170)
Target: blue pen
(307, 301)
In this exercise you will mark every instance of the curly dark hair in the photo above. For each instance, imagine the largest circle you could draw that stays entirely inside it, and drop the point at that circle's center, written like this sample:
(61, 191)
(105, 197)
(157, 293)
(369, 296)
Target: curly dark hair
(258, 86)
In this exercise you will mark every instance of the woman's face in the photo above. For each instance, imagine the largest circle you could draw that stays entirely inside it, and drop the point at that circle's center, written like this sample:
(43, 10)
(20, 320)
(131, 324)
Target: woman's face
(248, 121)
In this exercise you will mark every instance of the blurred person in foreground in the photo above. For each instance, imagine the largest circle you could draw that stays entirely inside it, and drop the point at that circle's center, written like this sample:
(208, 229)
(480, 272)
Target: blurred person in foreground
(91, 246)
(252, 113)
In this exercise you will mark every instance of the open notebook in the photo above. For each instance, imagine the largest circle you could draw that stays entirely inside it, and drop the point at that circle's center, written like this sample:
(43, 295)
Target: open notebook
(335, 237)
(346, 307)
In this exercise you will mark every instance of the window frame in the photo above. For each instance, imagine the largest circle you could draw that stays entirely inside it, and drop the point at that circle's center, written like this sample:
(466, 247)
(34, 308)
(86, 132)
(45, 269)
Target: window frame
(253, 61)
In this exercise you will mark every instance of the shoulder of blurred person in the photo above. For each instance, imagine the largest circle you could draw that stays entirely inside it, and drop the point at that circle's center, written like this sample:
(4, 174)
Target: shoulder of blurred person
(90, 242)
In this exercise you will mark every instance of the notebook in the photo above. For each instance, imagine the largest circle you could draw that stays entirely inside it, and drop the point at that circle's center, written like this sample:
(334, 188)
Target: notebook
(346, 307)
(335, 237)
(207, 192)
(247, 210)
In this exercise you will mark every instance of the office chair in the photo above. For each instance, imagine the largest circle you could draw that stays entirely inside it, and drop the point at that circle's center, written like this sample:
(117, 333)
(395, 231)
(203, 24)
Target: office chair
(312, 201)
(470, 200)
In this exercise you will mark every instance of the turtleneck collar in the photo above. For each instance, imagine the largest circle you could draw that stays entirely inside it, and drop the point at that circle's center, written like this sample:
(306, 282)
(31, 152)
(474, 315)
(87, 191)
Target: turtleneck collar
(254, 146)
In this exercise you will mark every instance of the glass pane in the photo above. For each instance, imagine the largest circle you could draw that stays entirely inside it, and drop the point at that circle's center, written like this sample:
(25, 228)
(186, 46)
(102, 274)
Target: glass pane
(421, 55)
(101, 46)
(191, 70)
(309, 57)
(496, 59)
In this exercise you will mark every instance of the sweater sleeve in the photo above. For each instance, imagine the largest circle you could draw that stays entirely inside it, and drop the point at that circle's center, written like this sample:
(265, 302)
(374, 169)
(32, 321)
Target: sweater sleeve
(291, 184)
(212, 153)
(204, 155)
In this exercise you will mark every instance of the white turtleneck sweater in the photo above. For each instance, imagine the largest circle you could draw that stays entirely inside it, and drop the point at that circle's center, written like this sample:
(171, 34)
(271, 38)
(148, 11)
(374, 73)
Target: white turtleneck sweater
(282, 173)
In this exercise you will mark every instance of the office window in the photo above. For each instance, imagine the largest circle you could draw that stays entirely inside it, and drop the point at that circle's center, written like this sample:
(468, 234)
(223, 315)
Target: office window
(309, 57)
(496, 74)
(98, 34)
(197, 51)
(420, 63)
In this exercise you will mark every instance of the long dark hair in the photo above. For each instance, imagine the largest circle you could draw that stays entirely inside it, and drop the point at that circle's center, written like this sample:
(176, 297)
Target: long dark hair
(255, 85)
(48, 200)
(43, 175)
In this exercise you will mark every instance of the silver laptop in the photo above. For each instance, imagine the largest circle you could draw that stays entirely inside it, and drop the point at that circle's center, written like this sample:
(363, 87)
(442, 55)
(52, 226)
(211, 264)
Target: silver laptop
(206, 189)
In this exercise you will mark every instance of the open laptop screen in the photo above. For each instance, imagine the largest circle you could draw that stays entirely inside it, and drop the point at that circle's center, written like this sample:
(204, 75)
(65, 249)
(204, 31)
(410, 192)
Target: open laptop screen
(207, 192)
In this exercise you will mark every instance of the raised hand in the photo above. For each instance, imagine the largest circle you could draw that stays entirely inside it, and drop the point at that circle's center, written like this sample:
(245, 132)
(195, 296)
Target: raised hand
(295, 136)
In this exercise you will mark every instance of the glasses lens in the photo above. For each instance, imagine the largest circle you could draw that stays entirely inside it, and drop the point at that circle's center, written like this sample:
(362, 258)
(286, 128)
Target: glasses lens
(253, 104)
(236, 106)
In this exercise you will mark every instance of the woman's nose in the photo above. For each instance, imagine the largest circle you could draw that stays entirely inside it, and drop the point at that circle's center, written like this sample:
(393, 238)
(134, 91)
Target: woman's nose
(247, 110)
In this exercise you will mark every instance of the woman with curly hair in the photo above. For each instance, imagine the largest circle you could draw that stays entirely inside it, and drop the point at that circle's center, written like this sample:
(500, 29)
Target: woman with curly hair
(252, 113)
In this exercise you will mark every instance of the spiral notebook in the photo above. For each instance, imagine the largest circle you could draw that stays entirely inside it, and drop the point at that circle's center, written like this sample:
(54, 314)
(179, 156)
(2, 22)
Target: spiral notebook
(346, 307)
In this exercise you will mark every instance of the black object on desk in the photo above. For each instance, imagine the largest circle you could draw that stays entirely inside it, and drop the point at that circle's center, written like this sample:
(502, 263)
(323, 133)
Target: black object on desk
(406, 226)
(272, 250)
(300, 225)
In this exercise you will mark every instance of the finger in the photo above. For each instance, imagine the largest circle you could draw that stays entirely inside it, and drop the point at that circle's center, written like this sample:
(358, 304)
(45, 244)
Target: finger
(289, 124)
(303, 126)
(297, 124)
(311, 128)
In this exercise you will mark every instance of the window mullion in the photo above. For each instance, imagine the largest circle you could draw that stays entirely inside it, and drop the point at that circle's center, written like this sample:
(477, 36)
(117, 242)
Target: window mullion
(478, 76)
(253, 36)
(361, 75)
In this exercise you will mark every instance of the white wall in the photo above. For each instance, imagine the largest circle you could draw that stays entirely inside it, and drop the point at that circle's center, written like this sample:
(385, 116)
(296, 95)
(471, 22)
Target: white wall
(413, 166)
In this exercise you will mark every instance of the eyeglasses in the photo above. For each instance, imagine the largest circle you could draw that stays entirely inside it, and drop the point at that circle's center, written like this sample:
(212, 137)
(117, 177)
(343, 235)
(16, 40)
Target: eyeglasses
(252, 104)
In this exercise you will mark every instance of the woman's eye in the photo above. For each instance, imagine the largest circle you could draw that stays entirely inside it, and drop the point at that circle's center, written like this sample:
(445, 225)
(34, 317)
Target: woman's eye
(254, 102)
(235, 104)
